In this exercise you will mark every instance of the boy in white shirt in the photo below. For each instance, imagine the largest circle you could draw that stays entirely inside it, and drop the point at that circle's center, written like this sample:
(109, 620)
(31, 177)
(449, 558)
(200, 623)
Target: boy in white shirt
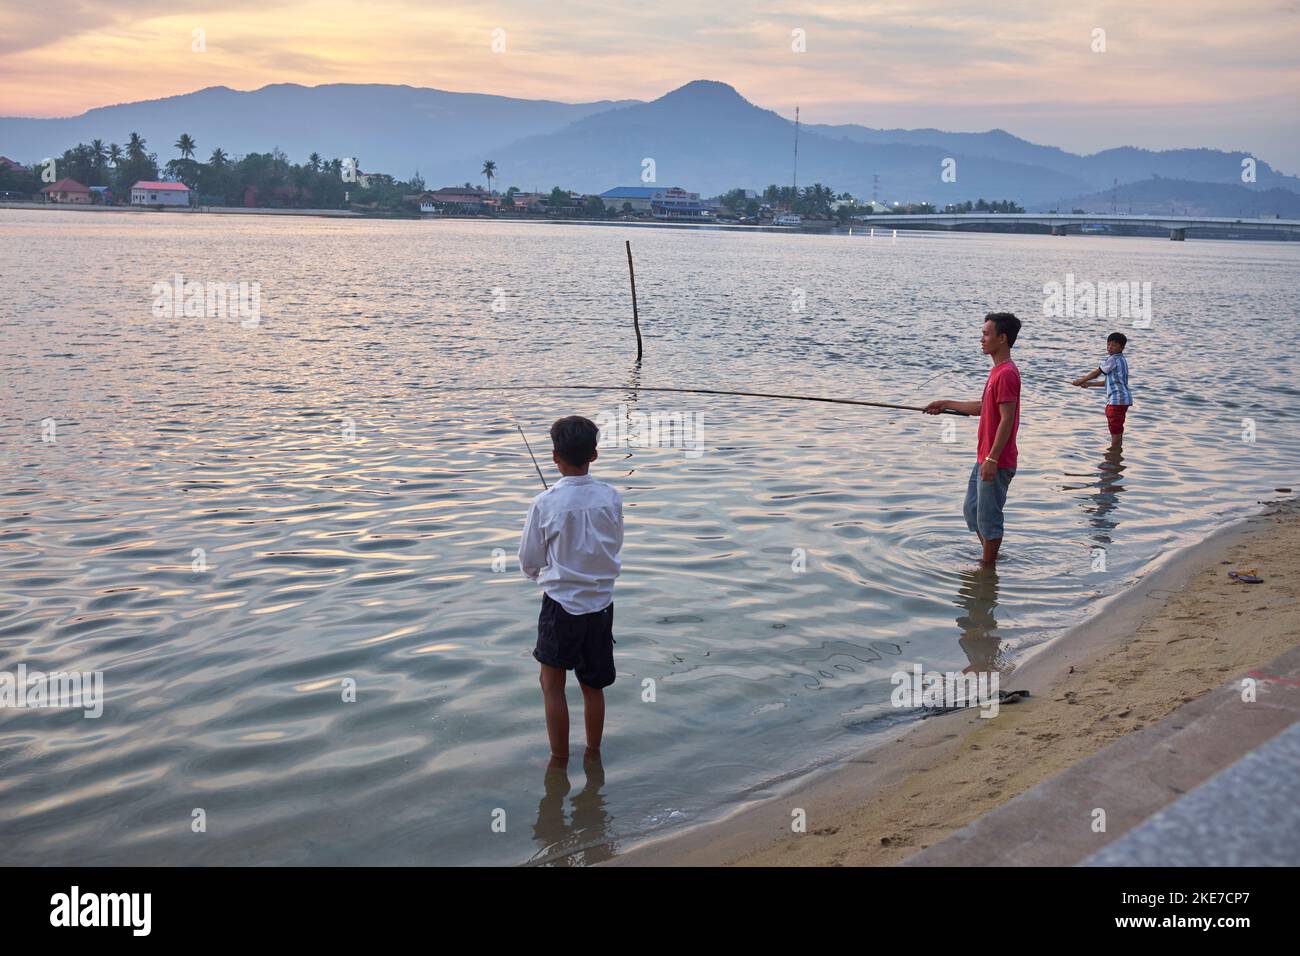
(570, 546)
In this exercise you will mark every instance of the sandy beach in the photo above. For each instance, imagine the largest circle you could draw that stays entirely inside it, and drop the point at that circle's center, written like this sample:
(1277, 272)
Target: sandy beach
(1181, 631)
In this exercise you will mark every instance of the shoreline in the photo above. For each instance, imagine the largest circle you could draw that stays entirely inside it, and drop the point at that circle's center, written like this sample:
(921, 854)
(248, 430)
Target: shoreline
(352, 214)
(1139, 656)
(191, 210)
(887, 231)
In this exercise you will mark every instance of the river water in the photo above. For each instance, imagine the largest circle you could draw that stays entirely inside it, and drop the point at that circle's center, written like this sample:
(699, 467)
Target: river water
(236, 521)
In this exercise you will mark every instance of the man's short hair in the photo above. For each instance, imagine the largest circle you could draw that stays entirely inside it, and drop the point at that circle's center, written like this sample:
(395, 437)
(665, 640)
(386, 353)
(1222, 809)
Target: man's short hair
(1006, 324)
(1119, 337)
(574, 438)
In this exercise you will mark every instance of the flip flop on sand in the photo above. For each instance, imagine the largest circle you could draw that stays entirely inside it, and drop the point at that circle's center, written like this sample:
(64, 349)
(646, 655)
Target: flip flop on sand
(1004, 697)
(1246, 577)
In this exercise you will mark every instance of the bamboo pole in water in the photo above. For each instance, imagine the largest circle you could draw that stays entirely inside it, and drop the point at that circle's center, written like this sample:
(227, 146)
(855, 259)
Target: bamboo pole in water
(636, 322)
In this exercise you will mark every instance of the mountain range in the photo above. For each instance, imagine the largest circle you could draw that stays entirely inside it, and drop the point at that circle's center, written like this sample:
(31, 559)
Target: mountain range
(704, 136)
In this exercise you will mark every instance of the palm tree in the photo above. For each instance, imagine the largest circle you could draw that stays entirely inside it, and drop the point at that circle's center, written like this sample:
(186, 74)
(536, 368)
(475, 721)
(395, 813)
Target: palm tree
(186, 145)
(114, 154)
(99, 153)
(218, 158)
(314, 162)
(816, 200)
(135, 147)
(489, 170)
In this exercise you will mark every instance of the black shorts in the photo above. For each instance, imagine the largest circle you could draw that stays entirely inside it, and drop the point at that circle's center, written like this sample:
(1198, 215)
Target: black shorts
(582, 643)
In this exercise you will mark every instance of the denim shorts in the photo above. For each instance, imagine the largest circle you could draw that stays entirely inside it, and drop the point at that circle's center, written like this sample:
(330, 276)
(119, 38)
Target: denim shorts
(985, 501)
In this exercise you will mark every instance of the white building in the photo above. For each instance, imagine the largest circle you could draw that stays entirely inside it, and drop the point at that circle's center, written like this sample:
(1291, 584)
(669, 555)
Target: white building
(160, 194)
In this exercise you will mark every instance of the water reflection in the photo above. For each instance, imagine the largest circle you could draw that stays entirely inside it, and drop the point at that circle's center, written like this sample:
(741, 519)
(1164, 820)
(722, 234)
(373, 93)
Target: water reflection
(977, 596)
(587, 836)
(1107, 480)
(1106, 498)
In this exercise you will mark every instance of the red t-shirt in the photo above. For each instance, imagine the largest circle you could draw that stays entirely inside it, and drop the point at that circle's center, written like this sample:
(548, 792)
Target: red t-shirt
(1003, 385)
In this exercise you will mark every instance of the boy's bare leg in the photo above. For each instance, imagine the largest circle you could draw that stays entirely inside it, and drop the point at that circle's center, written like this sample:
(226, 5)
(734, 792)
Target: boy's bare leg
(593, 715)
(991, 546)
(557, 712)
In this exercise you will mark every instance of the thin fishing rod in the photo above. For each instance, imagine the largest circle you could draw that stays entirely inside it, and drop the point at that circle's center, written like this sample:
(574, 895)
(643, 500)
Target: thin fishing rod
(692, 391)
(531, 455)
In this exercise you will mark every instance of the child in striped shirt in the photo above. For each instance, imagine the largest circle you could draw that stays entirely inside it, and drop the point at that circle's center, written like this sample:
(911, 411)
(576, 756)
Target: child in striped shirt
(1118, 397)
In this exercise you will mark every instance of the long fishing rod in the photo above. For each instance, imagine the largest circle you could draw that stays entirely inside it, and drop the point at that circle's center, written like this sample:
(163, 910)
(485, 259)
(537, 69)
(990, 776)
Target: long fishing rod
(531, 455)
(693, 391)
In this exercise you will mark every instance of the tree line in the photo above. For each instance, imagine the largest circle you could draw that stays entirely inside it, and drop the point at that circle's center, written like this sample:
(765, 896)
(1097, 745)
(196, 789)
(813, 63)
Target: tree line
(222, 180)
(330, 184)
(822, 202)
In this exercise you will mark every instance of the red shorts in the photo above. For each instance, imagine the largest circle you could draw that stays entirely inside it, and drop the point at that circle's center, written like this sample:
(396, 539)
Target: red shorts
(1115, 418)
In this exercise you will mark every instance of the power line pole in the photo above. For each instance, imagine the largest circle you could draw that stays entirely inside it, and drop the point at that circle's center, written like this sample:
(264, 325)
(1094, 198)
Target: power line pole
(794, 180)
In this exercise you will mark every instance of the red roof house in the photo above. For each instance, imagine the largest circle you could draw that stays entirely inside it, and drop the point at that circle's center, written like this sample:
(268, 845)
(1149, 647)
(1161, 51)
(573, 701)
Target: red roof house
(67, 190)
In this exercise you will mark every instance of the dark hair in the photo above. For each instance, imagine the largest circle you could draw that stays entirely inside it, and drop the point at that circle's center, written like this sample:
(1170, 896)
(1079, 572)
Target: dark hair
(1006, 324)
(574, 438)
(1119, 337)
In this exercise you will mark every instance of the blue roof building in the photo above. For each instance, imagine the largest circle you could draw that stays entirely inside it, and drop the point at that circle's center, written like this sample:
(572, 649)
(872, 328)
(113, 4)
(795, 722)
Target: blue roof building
(631, 192)
(662, 202)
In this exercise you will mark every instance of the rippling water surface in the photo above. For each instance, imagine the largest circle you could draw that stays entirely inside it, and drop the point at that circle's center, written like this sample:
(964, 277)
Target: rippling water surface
(348, 503)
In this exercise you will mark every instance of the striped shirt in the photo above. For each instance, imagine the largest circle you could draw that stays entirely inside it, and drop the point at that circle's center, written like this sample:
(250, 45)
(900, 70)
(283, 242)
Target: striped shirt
(1115, 368)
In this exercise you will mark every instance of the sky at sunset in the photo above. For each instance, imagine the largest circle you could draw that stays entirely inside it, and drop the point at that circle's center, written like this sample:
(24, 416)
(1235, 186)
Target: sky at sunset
(1185, 73)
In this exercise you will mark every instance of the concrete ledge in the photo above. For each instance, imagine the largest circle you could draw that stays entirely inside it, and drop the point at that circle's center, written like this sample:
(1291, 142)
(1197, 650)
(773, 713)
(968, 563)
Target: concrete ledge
(1247, 815)
(1133, 779)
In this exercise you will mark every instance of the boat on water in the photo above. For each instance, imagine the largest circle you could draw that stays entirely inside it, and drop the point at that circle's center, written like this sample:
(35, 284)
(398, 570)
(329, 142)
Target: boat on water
(788, 220)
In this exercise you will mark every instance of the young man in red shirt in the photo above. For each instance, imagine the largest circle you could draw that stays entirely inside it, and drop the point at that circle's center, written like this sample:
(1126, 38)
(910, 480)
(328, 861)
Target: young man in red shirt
(999, 415)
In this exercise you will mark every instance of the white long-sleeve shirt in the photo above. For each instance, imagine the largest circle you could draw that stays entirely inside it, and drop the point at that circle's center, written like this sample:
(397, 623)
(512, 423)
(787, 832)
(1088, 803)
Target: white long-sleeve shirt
(571, 543)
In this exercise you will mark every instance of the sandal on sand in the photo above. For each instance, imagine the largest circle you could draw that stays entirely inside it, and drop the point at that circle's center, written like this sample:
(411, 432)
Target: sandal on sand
(1246, 577)
(1004, 697)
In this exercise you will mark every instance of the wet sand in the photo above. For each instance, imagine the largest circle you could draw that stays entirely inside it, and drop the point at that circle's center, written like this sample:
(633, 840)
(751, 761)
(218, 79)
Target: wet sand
(1181, 631)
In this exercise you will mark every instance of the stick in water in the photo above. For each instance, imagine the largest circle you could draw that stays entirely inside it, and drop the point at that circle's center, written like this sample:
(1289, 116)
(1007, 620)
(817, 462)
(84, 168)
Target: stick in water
(636, 322)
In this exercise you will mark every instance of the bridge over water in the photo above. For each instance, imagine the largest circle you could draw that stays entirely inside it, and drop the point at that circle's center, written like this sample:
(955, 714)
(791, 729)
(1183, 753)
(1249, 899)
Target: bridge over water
(1060, 224)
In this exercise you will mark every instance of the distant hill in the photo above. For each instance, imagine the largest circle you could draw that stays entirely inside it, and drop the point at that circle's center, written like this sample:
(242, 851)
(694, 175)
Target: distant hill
(1158, 195)
(391, 129)
(704, 136)
(707, 137)
(1127, 163)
